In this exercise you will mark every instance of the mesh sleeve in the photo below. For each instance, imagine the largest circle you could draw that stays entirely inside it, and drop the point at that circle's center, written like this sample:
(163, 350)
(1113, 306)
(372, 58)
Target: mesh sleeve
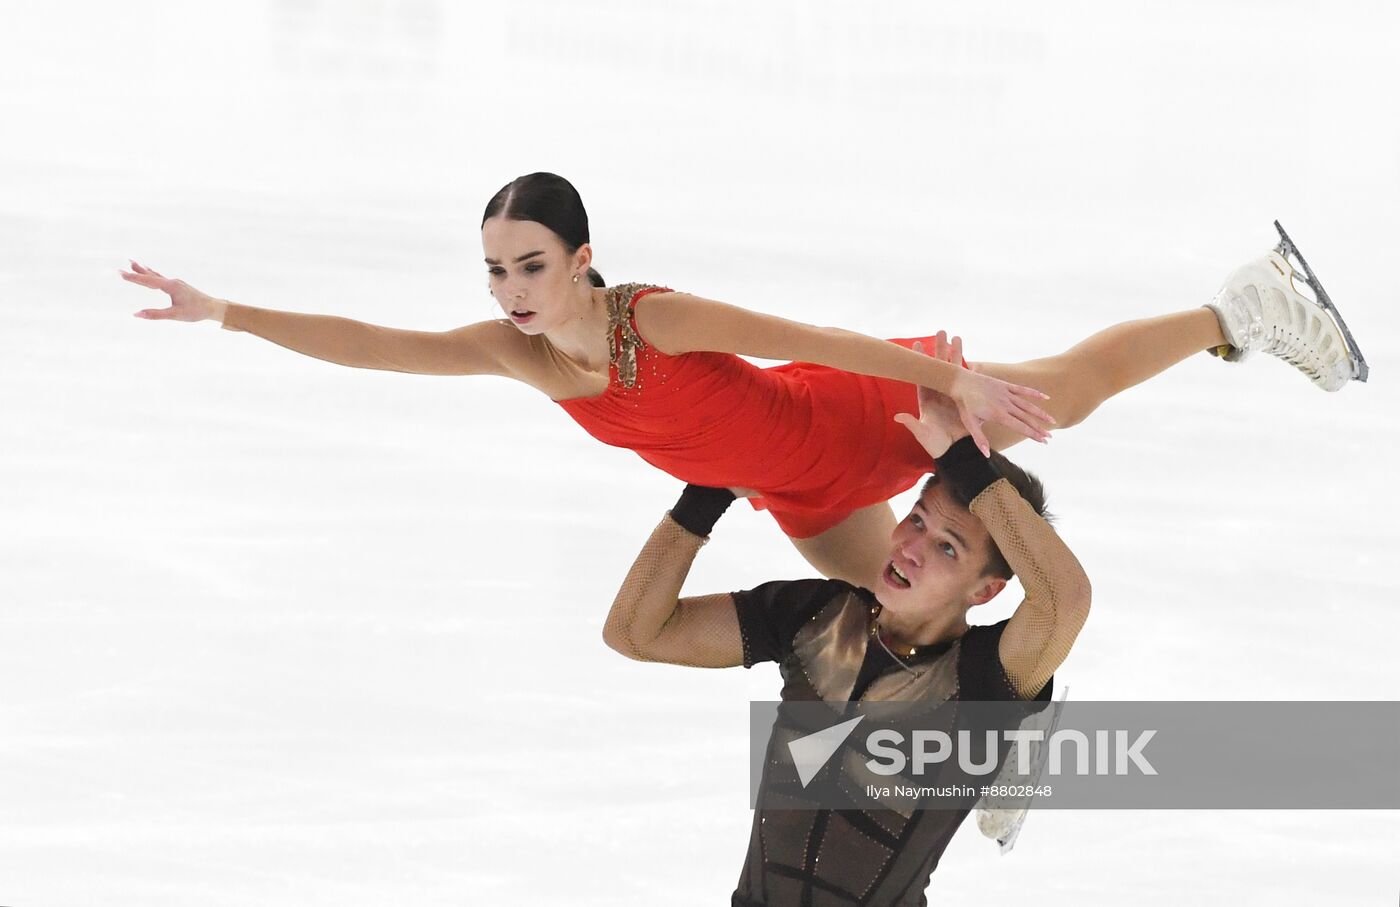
(649, 621)
(771, 614)
(1038, 636)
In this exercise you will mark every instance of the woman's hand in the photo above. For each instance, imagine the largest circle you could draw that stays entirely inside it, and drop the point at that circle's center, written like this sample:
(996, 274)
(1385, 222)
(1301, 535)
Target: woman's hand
(938, 424)
(981, 398)
(186, 303)
(944, 419)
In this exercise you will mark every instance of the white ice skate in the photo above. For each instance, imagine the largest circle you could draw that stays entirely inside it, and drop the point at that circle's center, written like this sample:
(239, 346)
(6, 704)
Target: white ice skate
(1001, 817)
(1260, 308)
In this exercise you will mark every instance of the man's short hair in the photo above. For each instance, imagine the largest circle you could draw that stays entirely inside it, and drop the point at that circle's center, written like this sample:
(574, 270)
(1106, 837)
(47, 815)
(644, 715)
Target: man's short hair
(1031, 490)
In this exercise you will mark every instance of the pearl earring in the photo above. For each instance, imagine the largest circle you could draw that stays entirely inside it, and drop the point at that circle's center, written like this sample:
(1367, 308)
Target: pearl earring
(575, 278)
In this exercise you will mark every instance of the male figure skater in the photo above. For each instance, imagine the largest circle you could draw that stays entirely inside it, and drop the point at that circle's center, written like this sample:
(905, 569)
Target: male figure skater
(977, 521)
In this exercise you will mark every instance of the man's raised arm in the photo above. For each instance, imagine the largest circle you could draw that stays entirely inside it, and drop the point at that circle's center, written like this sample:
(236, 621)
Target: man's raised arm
(649, 621)
(1038, 637)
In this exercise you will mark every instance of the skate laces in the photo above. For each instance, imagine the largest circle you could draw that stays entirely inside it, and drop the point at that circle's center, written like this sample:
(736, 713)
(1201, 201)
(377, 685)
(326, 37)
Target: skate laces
(1298, 349)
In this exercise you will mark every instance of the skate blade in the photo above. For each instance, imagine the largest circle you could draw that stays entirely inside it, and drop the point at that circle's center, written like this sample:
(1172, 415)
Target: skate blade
(1007, 841)
(1286, 247)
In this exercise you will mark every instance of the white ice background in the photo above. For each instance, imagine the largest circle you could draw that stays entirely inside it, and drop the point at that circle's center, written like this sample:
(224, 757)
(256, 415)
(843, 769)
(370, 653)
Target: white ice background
(275, 632)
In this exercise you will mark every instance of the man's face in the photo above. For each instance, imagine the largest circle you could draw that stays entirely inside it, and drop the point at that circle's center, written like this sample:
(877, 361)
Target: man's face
(937, 558)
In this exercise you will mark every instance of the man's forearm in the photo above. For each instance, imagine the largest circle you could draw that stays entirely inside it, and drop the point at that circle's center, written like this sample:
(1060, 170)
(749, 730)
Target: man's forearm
(648, 620)
(1050, 574)
(650, 595)
(1040, 633)
(1048, 570)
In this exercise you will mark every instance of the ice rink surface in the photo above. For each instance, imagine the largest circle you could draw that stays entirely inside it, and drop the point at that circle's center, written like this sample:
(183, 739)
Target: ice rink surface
(275, 632)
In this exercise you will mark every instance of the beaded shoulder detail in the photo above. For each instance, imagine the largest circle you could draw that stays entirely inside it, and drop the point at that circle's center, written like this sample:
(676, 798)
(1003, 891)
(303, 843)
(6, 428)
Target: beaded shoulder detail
(623, 339)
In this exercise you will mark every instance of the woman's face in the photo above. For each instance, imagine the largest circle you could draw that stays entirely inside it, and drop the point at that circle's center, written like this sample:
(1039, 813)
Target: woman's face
(531, 274)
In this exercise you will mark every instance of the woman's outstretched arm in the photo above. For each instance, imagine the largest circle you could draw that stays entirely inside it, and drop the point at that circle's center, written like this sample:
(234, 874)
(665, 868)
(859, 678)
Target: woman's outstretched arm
(485, 348)
(680, 323)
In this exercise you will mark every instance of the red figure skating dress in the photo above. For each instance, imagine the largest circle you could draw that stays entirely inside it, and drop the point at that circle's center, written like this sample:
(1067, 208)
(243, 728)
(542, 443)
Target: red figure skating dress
(816, 442)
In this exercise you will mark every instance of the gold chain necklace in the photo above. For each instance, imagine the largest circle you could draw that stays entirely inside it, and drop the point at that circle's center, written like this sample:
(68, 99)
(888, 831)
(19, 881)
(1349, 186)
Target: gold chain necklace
(891, 645)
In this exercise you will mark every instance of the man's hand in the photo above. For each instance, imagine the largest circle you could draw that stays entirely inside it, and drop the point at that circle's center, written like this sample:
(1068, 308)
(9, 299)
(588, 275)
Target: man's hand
(938, 424)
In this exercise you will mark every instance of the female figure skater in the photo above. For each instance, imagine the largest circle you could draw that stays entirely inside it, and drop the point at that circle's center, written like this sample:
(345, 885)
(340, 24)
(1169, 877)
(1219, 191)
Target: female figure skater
(814, 441)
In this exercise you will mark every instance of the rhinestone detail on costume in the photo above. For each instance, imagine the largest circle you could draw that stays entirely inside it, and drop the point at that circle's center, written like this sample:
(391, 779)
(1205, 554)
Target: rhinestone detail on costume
(623, 339)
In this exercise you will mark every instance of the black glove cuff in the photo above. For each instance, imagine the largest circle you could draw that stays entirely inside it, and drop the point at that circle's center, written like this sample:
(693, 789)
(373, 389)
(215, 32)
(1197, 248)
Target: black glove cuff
(964, 471)
(699, 508)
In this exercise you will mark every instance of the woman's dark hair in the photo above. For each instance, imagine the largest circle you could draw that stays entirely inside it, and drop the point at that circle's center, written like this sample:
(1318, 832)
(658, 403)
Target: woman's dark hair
(547, 199)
